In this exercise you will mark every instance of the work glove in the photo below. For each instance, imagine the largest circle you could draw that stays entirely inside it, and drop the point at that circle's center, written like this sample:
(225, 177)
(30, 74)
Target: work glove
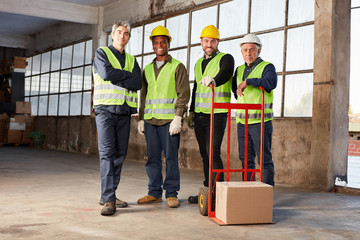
(175, 125)
(206, 81)
(141, 127)
(190, 119)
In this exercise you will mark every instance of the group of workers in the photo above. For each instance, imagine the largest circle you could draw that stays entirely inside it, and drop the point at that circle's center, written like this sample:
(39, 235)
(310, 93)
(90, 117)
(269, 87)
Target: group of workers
(164, 97)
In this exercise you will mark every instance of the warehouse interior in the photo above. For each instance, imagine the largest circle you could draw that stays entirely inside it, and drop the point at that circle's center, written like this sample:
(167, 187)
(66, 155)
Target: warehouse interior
(58, 182)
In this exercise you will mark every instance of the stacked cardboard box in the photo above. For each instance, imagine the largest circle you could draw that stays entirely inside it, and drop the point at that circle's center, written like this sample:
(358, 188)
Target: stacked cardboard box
(4, 126)
(17, 128)
(13, 65)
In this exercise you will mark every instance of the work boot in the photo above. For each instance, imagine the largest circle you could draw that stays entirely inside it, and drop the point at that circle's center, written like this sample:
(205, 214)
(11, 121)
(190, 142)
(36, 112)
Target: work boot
(173, 202)
(148, 199)
(119, 203)
(193, 199)
(108, 209)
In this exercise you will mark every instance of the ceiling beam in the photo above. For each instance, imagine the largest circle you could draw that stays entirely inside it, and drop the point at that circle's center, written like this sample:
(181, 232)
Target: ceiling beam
(14, 41)
(56, 10)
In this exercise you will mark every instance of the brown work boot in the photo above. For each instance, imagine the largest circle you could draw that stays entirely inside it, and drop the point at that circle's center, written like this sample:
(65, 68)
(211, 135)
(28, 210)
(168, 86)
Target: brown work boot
(108, 209)
(173, 202)
(119, 203)
(148, 199)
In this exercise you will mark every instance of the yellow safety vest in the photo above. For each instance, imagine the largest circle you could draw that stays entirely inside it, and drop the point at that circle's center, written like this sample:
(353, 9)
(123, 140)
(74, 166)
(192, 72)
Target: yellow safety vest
(222, 94)
(106, 93)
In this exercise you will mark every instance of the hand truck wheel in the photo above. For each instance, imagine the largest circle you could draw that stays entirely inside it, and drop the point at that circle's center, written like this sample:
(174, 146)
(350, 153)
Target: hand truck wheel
(203, 201)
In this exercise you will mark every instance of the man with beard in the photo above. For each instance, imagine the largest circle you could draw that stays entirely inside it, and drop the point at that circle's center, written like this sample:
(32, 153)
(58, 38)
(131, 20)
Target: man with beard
(214, 68)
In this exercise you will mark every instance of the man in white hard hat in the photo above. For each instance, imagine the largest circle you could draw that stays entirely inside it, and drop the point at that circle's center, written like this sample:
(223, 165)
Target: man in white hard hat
(255, 73)
(163, 101)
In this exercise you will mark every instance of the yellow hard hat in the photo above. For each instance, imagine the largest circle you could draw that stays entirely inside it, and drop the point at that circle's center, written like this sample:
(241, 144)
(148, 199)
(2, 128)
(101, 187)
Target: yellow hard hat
(160, 31)
(210, 31)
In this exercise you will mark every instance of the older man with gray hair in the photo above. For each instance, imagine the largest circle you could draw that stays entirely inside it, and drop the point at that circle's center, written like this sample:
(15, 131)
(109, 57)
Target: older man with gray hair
(117, 77)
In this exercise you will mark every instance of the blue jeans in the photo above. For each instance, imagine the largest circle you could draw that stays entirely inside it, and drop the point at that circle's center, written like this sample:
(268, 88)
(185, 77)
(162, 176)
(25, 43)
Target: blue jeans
(202, 133)
(113, 138)
(158, 139)
(254, 135)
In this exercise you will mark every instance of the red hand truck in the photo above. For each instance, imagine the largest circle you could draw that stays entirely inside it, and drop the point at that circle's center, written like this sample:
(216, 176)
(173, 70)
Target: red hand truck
(206, 197)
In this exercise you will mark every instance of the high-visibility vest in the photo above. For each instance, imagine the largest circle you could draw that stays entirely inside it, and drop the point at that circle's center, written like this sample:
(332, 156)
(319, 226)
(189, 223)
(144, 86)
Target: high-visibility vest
(253, 95)
(161, 92)
(106, 93)
(222, 94)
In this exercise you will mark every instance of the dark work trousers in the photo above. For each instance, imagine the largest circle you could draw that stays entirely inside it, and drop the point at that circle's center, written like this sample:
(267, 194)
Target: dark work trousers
(202, 132)
(113, 138)
(158, 139)
(254, 135)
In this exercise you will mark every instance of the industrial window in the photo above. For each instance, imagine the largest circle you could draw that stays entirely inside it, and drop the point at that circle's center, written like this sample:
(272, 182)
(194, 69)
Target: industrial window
(285, 27)
(58, 82)
(354, 107)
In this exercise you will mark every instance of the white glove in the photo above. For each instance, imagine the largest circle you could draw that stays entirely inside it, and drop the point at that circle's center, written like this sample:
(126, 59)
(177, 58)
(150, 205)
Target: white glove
(206, 81)
(175, 125)
(141, 127)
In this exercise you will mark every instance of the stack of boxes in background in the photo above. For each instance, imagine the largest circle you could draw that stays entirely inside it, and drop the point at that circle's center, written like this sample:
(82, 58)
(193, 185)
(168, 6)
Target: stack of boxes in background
(17, 128)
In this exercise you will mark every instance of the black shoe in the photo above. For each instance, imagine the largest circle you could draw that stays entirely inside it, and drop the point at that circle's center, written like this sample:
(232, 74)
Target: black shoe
(193, 199)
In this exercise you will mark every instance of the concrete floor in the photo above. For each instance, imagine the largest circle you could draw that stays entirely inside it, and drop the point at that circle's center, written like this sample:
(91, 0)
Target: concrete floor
(54, 195)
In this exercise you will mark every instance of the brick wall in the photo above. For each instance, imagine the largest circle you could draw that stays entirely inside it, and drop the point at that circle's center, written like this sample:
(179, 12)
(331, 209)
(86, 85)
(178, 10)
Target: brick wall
(354, 147)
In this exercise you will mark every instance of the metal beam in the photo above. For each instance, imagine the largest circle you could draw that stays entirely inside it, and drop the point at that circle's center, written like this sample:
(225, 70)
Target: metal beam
(51, 10)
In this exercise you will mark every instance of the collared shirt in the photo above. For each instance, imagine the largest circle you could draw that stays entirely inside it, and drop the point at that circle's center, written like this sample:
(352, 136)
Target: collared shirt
(268, 80)
(225, 73)
(182, 88)
(129, 80)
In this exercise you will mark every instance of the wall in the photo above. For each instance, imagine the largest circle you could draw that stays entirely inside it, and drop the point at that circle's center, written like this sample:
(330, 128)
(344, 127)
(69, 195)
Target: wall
(291, 144)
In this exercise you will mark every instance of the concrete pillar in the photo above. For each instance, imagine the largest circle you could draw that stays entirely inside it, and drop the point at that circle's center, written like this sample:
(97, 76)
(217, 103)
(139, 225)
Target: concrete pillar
(330, 93)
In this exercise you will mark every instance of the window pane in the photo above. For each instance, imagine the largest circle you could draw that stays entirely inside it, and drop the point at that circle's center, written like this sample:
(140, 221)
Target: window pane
(36, 64)
(272, 48)
(134, 46)
(64, 105)
(233, 12)
(79, 52)
(66, 57)
(109, 39)
(195, 54)
(148, 59)
(75, 106)
(233, 48)
(267, 14)
(201, 19)
(34, 105)
(28, 66)
(87, 78)
(55, 59)
(178, 27)
(65, 81)
(45, 62)
(300, 11)
(88, 56)
(43, 101)
(277, 97)
(35, 85)
(179, 55)
(300, 48)
(354, 61)
(77, 79)
(53, 105)
(298, 95)
(139, 60)
(27, 83)
(148, 28)
(44, 85)
(54, 82)
(355, 3)
(86, 103)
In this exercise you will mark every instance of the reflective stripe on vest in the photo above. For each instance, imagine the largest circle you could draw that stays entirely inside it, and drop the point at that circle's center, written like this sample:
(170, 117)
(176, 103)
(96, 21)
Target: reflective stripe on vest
(253, 95)
(106, 93)
(222, 94)
(161, 92)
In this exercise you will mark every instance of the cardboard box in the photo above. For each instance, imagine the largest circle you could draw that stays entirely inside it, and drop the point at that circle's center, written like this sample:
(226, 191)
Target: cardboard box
(244, 202)
(26, 137)
(14, 136)
(19, 62)
(23, 107)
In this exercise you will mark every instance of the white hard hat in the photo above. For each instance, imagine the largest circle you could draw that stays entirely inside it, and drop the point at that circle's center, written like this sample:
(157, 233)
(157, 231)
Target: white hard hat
(250, 38)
